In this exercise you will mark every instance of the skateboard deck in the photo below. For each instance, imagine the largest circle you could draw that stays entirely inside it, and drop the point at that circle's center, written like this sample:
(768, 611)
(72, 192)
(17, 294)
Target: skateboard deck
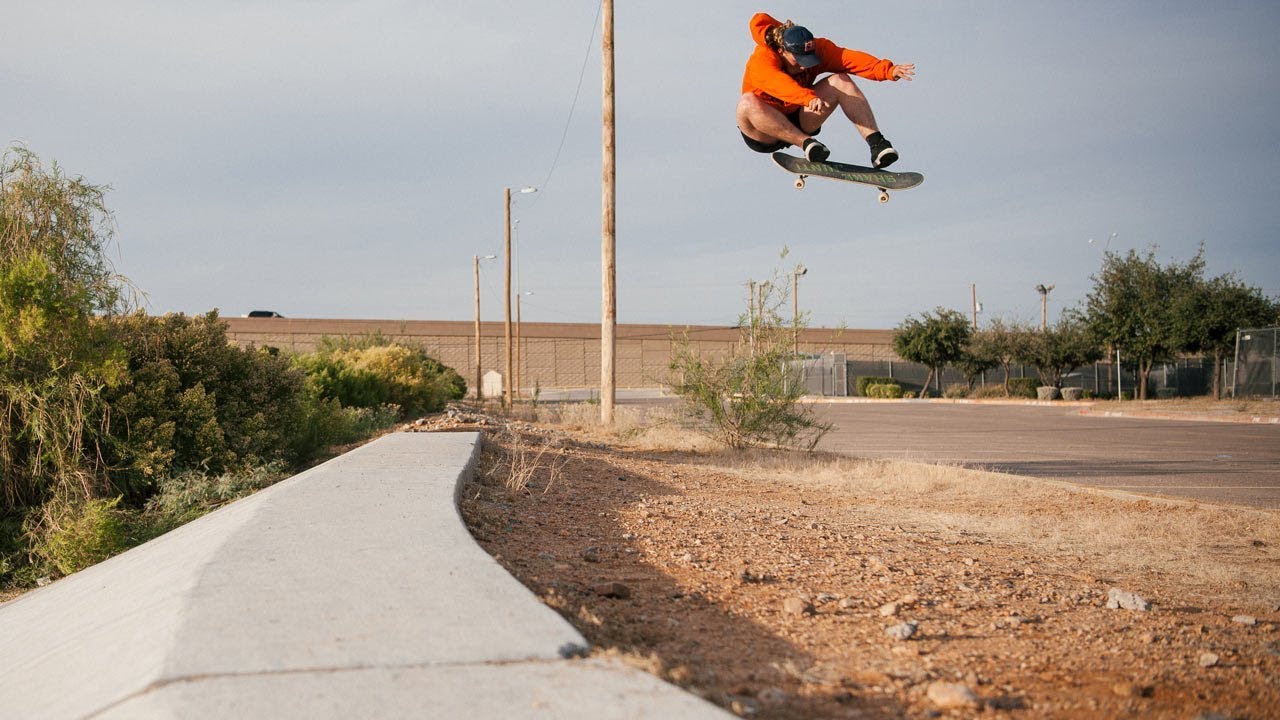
(882, 180)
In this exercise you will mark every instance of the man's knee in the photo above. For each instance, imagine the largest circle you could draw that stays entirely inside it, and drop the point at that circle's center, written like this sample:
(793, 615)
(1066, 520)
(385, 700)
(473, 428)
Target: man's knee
(841, 84)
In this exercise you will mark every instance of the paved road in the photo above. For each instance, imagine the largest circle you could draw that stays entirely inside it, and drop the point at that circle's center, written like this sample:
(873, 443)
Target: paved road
(1220, 462)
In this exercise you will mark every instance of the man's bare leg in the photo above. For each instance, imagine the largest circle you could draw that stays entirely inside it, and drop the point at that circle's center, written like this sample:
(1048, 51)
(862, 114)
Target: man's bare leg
(761, 121)
(841, 91)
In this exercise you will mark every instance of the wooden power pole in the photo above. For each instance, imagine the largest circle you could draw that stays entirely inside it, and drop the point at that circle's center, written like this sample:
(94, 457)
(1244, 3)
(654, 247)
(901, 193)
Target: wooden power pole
(609, 294)
(506, 228)
(479, 378)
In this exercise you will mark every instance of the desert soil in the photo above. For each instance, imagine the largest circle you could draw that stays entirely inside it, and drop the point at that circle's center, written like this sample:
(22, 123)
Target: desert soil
(778, 598)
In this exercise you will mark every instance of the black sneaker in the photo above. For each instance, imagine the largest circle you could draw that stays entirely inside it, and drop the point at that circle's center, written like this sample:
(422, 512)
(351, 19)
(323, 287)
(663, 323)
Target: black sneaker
(815, 151)
(882, 153)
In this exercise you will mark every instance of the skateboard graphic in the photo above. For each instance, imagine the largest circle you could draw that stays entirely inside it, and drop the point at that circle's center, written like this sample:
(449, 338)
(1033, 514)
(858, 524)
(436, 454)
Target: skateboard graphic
(882, 180)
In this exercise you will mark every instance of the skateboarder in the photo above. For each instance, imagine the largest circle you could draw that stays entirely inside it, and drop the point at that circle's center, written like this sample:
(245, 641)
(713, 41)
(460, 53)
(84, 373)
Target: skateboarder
(783, 102)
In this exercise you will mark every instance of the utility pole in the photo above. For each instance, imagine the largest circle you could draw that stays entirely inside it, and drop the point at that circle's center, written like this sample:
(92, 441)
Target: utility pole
(608, 263)
(506, 228)
(479, 379)
(519, 344)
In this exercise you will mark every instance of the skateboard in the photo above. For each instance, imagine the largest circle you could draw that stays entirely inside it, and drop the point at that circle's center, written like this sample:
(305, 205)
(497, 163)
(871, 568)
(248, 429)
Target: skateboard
(882, 180)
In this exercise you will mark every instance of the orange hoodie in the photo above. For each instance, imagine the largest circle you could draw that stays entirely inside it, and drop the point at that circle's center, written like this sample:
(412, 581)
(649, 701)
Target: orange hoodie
(767, 77)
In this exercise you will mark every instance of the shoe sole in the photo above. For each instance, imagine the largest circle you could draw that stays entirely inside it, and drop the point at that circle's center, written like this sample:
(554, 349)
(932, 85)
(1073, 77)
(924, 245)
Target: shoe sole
(887, 157)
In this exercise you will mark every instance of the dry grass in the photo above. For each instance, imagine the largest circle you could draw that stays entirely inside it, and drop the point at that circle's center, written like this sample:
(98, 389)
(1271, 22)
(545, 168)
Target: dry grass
(1213, 551)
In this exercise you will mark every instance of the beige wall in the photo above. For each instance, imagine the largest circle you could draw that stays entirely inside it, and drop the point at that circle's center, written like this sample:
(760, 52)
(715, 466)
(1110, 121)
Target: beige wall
(553, 355)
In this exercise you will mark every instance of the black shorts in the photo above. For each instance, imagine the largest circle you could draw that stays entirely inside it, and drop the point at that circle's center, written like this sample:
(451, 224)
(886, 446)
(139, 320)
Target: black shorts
(776, 145)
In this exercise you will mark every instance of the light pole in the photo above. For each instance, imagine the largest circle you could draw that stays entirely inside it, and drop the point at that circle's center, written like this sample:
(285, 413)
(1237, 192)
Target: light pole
(1108, 245)
(519, 365)
(795, 308)
(475, 260)
(506, 204)
(1044, 291)
(608, 222)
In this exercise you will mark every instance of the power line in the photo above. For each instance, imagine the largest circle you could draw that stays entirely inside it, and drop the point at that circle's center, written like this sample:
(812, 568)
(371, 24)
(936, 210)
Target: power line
(555, 161)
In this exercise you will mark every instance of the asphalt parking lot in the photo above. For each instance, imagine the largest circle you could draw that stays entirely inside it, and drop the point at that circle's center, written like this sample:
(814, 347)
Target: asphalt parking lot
(1236, 463)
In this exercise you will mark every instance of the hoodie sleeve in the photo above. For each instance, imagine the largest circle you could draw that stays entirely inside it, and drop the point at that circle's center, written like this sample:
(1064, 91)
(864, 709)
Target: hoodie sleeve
(837, 59)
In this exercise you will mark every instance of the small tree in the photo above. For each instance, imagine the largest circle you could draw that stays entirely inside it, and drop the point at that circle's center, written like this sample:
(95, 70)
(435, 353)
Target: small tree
(1003, 342)
(751, 396)
(1134, 307)
(935, 340)
(1058, 350)
(1209, 316)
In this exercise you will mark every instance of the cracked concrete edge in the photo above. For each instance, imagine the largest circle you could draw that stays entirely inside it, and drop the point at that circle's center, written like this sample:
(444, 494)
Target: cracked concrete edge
(590, 689)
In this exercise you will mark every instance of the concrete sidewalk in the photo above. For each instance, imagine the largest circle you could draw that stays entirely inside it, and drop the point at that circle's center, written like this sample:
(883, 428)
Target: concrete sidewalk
(351, 590)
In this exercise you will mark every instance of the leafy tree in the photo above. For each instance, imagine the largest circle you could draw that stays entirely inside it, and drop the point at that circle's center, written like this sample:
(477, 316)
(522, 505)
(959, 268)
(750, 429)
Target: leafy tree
(1060, 349)
(1004, 343)
(1135, 305)
(1209, 316)
(934, 340)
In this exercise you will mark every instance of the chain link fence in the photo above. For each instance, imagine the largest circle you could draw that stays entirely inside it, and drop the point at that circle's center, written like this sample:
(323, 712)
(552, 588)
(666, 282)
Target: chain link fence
(1255, 373)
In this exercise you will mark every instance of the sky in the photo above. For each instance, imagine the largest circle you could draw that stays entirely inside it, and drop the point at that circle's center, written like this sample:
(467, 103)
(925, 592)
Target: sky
(348, 159)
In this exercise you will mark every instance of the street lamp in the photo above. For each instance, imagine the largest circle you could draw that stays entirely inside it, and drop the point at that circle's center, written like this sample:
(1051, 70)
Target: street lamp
(795, 308)
(516, 384)
(475, 260)
(1108, 245)
(506, 204)
(1043, 290)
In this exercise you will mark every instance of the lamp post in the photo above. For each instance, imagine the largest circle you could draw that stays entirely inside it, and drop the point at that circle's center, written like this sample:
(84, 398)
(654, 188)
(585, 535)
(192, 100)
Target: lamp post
(475, 260)
(519, 364)
(506, 204)
(1108, 245)
(795, 308)
(1044, 291)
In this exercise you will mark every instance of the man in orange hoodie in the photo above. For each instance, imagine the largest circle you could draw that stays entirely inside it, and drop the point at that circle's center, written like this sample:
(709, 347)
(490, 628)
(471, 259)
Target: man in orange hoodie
(784, 103)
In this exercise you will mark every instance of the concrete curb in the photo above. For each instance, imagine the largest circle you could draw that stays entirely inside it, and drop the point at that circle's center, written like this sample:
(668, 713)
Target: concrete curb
(350, 590)
(1187, 417)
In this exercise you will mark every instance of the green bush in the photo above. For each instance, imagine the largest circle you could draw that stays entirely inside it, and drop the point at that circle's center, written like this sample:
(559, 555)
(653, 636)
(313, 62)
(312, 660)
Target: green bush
(73, 537)
(326, 423)
(867, 381)
(182, 498)
(1023, 387)
(373, 373)
(195, 401)
(885, 391)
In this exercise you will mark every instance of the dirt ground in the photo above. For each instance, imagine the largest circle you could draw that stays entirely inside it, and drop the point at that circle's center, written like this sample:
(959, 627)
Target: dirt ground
(818, 588)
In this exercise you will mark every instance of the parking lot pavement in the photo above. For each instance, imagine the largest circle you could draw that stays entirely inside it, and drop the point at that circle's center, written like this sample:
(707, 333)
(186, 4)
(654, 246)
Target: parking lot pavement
(1218, 462)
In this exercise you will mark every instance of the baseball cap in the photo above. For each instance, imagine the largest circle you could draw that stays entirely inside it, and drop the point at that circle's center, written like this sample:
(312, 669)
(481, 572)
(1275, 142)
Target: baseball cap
(798, 41)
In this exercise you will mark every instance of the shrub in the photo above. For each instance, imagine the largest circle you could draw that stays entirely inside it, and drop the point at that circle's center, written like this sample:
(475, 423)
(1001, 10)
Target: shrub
(195, 401)
(751, 397)
(989, 391)
(186, 496)
(867, 381)
(373, 373)
(956, 390)
(885, 391)
(1023, 387)
(71, 537)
